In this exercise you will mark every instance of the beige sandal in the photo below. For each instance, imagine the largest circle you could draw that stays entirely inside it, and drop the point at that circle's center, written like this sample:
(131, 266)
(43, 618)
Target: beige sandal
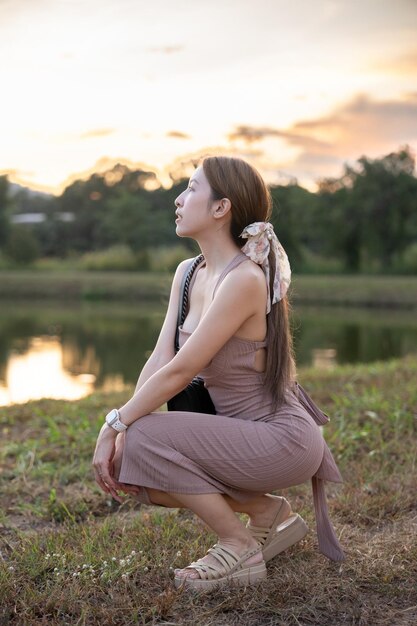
(286, 529)
(231, 569)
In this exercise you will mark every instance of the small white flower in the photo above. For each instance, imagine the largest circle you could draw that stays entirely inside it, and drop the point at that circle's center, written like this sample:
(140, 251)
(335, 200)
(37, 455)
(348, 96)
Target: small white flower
(113, 558)
(133, 553)
(125, 576)
(75, 574)
(11, 568)
(47, 556)
(55, 569)
(178, 553)
(146, 569)
(122, 562)
(104, 563)
(85, 566)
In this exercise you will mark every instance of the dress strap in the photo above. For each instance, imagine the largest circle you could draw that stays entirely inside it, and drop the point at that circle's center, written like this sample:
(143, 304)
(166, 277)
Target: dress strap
(194, 276)
(237, 260)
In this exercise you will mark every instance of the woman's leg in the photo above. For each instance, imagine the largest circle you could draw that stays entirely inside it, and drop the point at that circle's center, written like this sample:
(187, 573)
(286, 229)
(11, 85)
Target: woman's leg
(218, 512)
(261, 509)
(215, 511)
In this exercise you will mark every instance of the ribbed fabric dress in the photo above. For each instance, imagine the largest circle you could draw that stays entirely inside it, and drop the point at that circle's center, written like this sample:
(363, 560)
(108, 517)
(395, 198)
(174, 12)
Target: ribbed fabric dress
(246, 449)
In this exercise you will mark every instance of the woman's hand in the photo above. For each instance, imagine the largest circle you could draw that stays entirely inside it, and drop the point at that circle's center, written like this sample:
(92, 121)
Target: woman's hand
(131, 490)
(107, 462)
(103, 462)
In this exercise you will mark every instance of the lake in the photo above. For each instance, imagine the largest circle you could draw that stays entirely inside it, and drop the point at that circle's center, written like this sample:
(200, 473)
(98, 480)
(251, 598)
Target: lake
(66, 350)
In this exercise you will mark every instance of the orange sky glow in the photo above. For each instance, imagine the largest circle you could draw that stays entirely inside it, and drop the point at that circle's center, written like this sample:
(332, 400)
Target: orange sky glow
(298, 89)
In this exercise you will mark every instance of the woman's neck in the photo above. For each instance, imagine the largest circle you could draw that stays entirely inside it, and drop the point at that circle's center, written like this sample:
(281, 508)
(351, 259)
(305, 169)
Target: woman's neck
(217, 252)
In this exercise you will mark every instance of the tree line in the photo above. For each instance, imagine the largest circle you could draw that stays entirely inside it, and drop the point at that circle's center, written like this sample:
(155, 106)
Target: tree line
(364, 221)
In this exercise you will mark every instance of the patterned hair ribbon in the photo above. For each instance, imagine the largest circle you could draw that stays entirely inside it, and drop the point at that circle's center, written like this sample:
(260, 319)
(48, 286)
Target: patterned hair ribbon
(261, 237)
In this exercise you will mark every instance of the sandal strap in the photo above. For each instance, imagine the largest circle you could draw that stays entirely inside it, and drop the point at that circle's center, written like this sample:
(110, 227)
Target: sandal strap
(259, 533)
(227, 557)
(208, 571)
(229, 561)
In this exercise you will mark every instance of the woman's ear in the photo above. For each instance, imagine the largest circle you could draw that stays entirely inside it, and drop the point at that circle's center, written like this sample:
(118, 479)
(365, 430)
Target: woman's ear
(222, 208)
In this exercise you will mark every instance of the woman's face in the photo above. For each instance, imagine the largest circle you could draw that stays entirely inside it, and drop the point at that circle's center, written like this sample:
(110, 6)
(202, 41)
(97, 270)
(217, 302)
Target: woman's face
(193, 206)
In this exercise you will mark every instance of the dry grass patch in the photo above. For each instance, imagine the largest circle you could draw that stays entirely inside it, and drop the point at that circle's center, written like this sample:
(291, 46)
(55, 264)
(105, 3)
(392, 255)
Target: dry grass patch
(70, 556)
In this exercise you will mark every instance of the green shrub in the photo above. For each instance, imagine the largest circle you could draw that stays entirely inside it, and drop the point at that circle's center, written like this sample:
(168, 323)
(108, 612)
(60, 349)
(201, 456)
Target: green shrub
(118, 258)
(22, 247)
(409, 261)
(166, 259)
(316, 264)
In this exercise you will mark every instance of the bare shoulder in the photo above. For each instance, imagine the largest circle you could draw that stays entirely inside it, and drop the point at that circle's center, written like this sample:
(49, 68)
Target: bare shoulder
(248, 276)
(184, 264)
(181, 268)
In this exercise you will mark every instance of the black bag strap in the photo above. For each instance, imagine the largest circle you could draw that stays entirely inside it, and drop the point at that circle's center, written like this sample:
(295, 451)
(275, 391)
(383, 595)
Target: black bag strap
(184, 292)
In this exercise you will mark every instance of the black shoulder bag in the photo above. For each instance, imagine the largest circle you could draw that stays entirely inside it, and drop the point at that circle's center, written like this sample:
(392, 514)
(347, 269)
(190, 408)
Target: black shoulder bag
(195, 397)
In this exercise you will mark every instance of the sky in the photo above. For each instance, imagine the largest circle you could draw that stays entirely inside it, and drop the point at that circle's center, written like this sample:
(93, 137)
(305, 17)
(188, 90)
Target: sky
(296, 87)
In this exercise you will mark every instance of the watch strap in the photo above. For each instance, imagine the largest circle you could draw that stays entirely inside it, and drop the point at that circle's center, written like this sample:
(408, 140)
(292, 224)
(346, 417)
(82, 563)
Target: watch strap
(113, 420)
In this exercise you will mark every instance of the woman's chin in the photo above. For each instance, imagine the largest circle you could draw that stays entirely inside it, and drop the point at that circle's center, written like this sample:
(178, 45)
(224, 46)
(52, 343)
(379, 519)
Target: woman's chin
(181, 232)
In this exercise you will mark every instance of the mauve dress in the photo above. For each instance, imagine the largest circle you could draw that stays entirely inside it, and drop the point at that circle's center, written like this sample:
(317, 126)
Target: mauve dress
(248, 448)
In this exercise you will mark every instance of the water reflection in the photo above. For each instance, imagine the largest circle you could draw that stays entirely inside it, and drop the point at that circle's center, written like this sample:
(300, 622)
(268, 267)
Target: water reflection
(50, 351)
(39, 372)
(355, 335)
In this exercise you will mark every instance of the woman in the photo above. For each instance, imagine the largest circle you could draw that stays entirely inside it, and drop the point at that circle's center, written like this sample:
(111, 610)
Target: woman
(265, 435)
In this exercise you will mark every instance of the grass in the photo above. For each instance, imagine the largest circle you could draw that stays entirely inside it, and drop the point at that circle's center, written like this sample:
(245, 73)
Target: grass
(371, 291)
(71, 284)
(68, 555)
(83, 285)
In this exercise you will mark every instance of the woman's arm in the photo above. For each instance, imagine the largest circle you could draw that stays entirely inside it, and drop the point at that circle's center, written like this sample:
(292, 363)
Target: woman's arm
(239, 297)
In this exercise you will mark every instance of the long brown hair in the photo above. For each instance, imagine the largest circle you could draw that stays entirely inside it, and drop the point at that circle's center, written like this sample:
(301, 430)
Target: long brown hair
(251, 201)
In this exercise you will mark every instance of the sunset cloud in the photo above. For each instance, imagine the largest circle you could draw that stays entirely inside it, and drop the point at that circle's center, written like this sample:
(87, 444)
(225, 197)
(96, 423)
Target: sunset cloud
(404, 64)
(251, 135)
(298, 89)
(98, 132)
(360, 123)
(360, 126)
(176, 134)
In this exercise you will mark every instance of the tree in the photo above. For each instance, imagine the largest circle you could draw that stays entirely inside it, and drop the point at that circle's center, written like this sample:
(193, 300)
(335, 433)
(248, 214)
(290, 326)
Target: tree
(387, 191)
(22, 246)
(128, 220)
(293, 220)
(370, 213)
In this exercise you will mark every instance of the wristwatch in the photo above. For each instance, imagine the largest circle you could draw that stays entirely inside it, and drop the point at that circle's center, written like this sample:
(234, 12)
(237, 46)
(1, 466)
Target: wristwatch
(113, 420)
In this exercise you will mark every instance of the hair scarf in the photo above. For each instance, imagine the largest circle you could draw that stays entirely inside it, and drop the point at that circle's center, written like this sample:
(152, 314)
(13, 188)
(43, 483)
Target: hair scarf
(261, 237)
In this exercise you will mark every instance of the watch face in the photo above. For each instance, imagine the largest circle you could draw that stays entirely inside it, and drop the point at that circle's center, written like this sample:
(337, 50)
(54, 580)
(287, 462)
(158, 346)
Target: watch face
(112, 417)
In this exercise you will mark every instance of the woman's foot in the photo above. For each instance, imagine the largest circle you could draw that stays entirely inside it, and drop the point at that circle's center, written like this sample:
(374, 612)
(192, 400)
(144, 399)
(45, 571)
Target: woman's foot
(270, 509)
(238, 548)
(280, 528)
(221, 566)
